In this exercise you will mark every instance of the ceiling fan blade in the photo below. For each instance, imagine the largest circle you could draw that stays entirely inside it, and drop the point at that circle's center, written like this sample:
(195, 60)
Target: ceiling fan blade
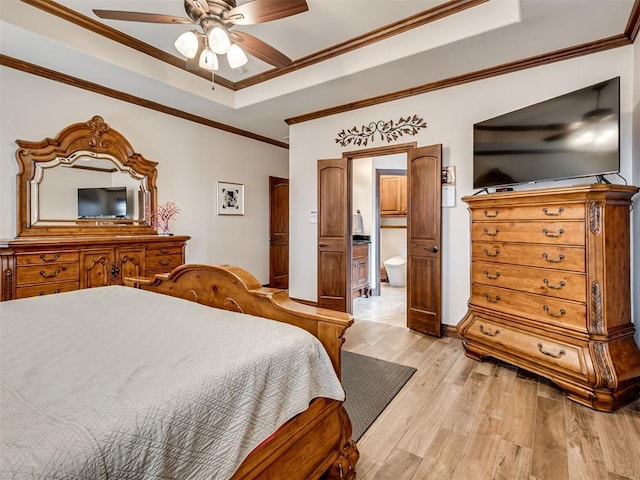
(140, 17)
(260, 11)
(262, 50)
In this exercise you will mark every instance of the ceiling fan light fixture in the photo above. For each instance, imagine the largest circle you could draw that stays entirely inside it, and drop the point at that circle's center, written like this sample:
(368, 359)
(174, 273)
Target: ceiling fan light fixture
(208, 60)
(187, 44)
(236, 57)
(219, 40)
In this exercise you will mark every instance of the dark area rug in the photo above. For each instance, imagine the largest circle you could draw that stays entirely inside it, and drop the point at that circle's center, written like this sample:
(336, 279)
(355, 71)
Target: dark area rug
(370, 384)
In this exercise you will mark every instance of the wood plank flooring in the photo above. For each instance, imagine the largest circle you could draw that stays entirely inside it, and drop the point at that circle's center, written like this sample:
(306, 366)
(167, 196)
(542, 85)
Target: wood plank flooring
(465, 420)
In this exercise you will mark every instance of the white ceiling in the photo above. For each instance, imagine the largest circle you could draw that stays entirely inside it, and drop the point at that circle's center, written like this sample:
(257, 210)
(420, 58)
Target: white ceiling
(482, 36)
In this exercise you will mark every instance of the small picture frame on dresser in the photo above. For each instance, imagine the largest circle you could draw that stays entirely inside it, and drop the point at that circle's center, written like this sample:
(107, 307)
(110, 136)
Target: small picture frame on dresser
(230, 198)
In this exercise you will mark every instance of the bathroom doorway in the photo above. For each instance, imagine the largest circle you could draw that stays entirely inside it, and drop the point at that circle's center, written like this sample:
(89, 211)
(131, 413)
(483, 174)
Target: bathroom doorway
(379, 201)
(335, 236)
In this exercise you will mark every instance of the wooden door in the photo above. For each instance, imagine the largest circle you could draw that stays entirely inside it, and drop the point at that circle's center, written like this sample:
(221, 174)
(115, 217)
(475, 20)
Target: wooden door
(129, 263)
(334, 246)
(424, 261)
(278, 232)
(97, 268)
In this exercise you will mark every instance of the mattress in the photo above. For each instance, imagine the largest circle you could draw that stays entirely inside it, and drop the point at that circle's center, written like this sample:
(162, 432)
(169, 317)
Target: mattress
(120, 383)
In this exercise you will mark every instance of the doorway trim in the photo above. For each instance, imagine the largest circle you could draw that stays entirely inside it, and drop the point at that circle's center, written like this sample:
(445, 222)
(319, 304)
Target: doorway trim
(402, 148)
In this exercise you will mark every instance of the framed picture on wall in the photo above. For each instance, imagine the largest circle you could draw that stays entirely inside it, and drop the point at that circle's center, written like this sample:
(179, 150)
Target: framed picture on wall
(230, 198)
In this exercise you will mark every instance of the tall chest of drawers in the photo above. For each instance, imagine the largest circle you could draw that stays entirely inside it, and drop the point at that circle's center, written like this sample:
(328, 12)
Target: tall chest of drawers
(550, 289)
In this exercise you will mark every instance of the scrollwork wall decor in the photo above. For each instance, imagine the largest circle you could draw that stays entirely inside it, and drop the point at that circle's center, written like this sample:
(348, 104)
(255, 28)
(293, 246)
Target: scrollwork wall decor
(387, 130)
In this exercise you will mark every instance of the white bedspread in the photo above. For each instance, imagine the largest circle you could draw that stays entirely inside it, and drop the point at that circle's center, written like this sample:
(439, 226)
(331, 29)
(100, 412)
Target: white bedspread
(119, 383)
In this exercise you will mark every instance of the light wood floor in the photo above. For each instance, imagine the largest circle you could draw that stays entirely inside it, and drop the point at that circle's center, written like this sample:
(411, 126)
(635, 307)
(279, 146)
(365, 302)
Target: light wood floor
(466, 420)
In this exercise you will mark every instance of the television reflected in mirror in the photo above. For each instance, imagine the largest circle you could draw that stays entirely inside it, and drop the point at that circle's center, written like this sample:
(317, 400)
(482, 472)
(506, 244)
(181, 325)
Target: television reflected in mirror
(570, 136)
(102, 202)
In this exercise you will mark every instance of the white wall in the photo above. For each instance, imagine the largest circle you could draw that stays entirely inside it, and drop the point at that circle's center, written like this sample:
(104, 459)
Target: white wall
(635, 180)
(450, 114)
(191, 159)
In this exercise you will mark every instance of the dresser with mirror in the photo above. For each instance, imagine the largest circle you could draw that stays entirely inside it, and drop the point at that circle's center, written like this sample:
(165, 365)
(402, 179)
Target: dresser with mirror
(84, 205)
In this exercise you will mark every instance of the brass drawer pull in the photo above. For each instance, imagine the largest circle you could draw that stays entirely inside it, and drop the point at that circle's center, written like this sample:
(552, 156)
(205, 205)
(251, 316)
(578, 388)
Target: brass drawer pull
(165, 250)
(51, 275)
(551, 260)
(549, 354)
(491, 234)
(44, 258)
(554, 287)
(491, 300)
(494, 254)
(552, 234)
(551, 314)
(488, 333)
(552, 214)
(164, 263)
(491, 215)
(41, 293)
(491, 277)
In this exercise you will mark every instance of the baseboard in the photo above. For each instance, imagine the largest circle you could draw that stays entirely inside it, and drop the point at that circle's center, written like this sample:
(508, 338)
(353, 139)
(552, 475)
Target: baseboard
(450, 331)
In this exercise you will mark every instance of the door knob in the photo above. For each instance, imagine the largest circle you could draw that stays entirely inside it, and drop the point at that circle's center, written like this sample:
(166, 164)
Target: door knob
(434, 249)
(321, 244)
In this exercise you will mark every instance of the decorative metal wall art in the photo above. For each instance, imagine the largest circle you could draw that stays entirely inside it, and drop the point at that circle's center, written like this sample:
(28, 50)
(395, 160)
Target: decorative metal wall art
(388, 130)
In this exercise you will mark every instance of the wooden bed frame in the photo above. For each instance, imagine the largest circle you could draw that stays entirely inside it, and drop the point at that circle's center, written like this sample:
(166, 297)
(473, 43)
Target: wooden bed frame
(314, 444)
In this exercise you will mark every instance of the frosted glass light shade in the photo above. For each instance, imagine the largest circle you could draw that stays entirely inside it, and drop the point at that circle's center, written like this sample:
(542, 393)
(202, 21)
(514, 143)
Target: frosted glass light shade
(208, 60)
(219, 40)
(187, 44)
(236, 57)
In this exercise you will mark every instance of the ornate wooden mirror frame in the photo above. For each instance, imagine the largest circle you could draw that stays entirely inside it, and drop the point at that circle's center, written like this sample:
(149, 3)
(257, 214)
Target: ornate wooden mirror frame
(93, 141)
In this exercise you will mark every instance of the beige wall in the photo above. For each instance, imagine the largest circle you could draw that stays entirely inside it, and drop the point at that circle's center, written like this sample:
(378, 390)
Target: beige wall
(635, 180)
(191, 159)
(450, 114)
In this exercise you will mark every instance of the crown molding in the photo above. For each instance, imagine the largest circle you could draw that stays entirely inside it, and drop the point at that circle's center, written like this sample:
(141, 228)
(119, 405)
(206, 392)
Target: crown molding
(436, 13)
(633, 25)
(43, 72)
(615, 41)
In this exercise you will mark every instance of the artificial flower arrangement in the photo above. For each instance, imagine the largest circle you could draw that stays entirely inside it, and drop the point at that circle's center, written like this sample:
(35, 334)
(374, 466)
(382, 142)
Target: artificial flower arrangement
(161, 216)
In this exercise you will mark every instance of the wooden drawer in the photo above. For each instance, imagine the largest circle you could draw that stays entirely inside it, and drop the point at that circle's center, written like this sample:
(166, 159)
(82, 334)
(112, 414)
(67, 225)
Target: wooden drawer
(550, 211)
(554, 354)
(360, 251)
(555, 283)
(41, 274)
(46, 289)
(544, 256)
(558, 233)
(51, 257)
(163, 263)
(163, 250)
(546, 310)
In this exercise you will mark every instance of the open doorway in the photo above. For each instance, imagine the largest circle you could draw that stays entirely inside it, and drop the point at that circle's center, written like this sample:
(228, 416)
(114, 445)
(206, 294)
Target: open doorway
(335, 242)
(379, 202)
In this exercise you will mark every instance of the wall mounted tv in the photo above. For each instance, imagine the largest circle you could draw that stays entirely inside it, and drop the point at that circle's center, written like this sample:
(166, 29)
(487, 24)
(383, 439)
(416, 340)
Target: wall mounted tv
(102, 202)
(570, 136)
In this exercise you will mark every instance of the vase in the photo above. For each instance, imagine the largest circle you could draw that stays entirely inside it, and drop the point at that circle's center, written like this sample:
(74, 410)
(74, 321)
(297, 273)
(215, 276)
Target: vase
(165, 228)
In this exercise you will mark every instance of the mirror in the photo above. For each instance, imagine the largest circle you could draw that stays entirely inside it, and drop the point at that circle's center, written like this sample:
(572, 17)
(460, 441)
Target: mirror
(87, 187)
(86, 180)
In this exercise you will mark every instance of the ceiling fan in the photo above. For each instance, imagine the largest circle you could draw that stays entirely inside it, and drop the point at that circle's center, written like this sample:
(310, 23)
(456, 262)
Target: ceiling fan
(215, 19)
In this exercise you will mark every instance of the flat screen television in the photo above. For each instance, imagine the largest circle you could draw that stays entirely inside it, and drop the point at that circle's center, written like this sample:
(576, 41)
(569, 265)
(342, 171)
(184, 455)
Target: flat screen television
(102, 202)
(570, 136)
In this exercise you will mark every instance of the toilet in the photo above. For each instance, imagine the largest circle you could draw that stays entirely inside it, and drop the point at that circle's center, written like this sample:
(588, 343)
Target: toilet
(396, 268)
